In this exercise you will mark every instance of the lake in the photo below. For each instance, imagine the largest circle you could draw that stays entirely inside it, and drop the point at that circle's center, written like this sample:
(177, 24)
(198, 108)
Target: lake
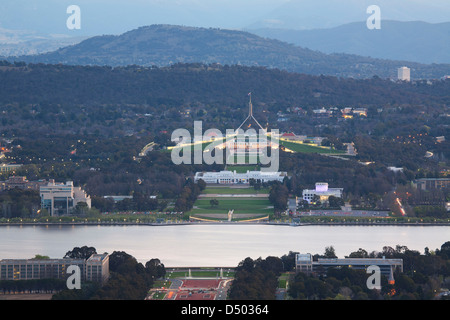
(212, 244)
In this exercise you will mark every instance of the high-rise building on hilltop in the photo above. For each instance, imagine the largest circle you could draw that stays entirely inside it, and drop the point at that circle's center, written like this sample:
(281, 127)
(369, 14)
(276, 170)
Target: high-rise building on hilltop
(404, 74)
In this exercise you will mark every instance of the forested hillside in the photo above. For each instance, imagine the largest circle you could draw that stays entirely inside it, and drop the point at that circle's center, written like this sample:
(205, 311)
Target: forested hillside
(89, 124)
(163, 45)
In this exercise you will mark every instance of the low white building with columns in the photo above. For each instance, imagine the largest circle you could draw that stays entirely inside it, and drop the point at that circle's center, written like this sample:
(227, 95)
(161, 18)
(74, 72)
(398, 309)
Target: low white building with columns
(233, 177)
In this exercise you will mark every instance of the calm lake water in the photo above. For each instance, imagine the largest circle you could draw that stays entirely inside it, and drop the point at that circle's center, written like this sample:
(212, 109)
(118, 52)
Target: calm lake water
(213, 245)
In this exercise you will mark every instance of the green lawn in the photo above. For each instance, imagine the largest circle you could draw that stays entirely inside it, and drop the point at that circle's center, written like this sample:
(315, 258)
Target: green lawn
(294, 146)
(204, 145)
(159, 295)
(240, 205)
(200, 274)
(243, 168)
(306, 148)
(161, 283)
(282, 280)
(282, 283)
(244, 160)
(231, 190)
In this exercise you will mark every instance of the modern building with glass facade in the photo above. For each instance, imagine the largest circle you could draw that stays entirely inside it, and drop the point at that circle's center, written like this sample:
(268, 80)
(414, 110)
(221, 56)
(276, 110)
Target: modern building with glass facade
(60, 198)
(304, 263)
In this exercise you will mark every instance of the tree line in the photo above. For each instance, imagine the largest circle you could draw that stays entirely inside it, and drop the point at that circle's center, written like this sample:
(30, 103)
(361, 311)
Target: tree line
(422, 278)
(129, 280)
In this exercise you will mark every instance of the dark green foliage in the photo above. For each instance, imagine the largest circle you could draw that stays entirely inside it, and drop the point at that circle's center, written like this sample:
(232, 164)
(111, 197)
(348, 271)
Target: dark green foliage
(19, 203)
(279, 194)
(256, 279)
(32, 286)
(188, 195)
(431, 211)
(421, 279)
(80, 253)
(129, 280)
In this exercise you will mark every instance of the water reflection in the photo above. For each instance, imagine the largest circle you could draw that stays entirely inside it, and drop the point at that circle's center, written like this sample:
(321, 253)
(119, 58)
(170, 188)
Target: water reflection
(212, 245)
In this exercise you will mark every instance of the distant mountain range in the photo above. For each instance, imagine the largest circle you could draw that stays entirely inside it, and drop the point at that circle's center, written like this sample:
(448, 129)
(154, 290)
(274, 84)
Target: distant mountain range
(20, 42)
(314, 14)
(162, 45)
(118, 16)
(408, 41)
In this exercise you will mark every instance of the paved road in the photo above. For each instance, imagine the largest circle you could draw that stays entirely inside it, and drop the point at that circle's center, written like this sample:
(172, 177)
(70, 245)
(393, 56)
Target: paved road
(292, 205)
(223, 289)
(234, 195)
(340, 213)
(280, 294)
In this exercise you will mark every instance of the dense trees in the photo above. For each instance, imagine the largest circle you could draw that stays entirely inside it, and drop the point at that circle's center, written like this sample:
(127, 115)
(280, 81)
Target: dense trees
(19, 203)
(422, 277)
(357, 180)
(431, 211)
(278, 195)
(129, 280)
(256, 279)
(188, 195)
(32, 286)
(129, 99)
(342, 284)
(80, 252)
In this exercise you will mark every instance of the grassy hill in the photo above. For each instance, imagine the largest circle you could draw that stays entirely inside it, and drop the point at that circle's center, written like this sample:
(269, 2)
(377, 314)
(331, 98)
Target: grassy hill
(308, 148)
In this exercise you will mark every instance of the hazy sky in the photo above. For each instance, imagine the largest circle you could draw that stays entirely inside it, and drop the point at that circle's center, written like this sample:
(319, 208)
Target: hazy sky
(118, 16)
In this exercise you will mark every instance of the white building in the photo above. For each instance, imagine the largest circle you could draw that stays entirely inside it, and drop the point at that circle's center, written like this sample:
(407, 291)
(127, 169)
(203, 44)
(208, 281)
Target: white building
(97, 268)
(232, 177)
(60, 198)
(404, 74)
(322, 191)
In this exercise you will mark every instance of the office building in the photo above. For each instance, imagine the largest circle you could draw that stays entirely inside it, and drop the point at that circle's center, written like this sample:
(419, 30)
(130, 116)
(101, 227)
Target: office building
(304, 263)
(432, 183)
(14, 182)
(322, 192)
(20, 182)
(9, 167)
(29, 269)
(95, 268)
(61, 199)
(404, 74)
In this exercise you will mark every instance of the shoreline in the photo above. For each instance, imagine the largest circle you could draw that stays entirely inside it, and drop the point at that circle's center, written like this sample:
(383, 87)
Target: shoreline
(187, 223)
